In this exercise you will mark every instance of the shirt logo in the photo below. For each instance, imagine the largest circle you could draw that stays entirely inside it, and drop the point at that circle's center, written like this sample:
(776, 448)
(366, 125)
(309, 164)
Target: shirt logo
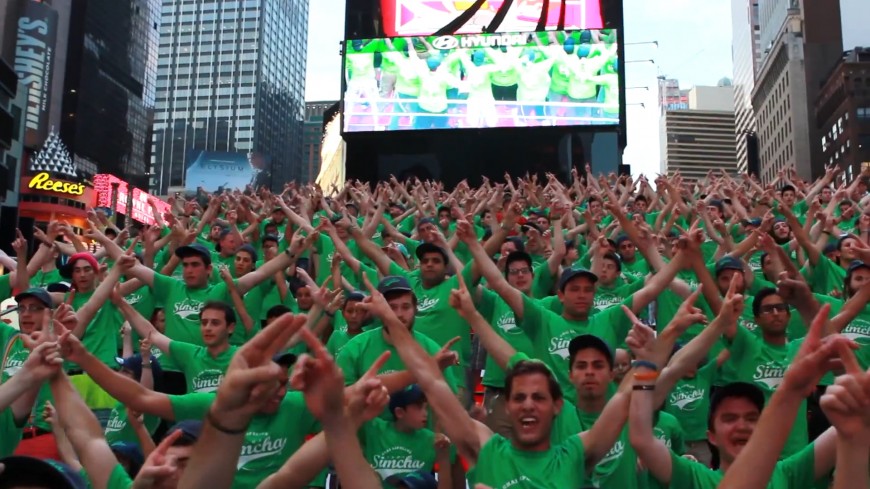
(207, 380)
(770, 374)
(396, 460)
(133, 299)
(428, 303)
(115, 423)
(507, 323)
(683, 398)
(559, 344)
(858, 330)
(188, 309)
(614, 453)
(256, 450)
(602, 302)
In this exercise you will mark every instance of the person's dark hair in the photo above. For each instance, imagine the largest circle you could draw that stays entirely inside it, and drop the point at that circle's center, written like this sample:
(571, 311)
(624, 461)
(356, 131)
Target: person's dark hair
(530, 367)
(277, 311)
(786, 188)
(614, 258)
(641, 197)
(759, 298)
(592, 199)
(398, 293)
(229, 314)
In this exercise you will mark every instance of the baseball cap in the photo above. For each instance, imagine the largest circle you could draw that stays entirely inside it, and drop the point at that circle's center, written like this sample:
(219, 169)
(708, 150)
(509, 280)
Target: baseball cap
(571, 273)
(250, 250)
(37, 293)
(621, 239)
(29, 471)
(194, 250)
(427, 220)
(752, 222)
(285, 359)
(728, 263)
(406, 397)
(743, 390)
(856, 264)
(426, 248)
(66, 270)
(269, 237)
(131, 452)
(587, 341)
(413, 480)
(355, 296)
(190, 429)
(394, 283)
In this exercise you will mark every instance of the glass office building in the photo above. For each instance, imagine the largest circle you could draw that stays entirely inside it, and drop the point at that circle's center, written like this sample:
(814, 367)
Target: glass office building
(230, 78)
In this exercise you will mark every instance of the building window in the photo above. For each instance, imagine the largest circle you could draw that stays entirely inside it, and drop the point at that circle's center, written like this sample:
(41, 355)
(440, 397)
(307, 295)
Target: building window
(824, 143)
(864, 112)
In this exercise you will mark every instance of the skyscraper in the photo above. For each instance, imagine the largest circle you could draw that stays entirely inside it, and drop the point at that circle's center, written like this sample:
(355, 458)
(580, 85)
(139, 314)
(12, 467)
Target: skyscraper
(230, 78)
(699, 137)
(801, 43)
(315, 126)
(745, 55)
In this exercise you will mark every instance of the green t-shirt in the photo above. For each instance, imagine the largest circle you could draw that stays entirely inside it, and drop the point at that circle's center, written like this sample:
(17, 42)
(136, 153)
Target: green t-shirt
(551, 333)
(5, 286)
(500, 465)
(101, 335)
(827, 278)
(41, 279)
(689, 401)
(14, 356)
(858, 330)
(638, 269)
(119, 479)
(182, 306)
(10, 433)
(795, 472)
(501, 317)
(363, 349)
(270, 440)
(669, 432)
(203, 372)
(118, 427)
(757, 362)
(392, 452)
(618, 468)
(435, 318)
(616, 294)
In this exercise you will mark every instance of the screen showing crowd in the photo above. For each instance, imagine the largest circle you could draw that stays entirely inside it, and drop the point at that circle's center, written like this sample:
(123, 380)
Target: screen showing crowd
(424, 17)
(482, 81)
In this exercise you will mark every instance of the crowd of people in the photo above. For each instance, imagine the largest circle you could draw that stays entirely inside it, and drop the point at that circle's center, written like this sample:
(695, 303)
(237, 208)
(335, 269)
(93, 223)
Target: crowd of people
(530, 333)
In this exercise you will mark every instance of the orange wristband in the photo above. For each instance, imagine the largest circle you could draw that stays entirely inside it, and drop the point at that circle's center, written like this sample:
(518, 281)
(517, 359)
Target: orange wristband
(646, 376)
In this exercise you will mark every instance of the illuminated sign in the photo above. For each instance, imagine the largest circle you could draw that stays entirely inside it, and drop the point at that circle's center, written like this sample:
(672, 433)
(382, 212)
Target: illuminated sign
(43, 181)
(140, 209)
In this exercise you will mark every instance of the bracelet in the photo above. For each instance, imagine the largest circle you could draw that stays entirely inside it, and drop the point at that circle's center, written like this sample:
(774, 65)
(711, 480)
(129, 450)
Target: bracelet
(290, 255)
(146, 367)
(328, 314)
(644, 364)
(644, 387)
(227, 431)
(650, 376)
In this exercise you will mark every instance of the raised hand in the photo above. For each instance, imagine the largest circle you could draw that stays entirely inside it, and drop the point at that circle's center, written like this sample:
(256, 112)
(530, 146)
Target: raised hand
(641, 338)
(733, 305)
(43, 363)
(375, 304)
(460, 299)
(847, 402)
(688, 315)
(815, 357)
(446, 357)
(252, 378)
(159, 469)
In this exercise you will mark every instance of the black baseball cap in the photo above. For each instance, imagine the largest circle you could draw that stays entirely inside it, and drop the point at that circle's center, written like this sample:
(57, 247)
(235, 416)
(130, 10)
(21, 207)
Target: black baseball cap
(34, 472)
(269, 237)
(743, 390)
(587, 341)
(406, 397)
(285, 359)
(250, 250)
(571, 273)
(191, 429)
(427, 220)
(194, 250)
(856, 264)
(37, 293)
(355, 296)
(394, 283)
(413, 480)
(426, 248)
(728, 263)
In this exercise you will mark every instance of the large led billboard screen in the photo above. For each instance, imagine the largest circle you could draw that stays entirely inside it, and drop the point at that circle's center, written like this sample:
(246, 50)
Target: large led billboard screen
(534, 79)
(404, 18)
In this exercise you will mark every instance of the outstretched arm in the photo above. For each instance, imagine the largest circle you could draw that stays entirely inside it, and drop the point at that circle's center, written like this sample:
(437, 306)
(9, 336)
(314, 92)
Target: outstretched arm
(87, 312)
(468, 435)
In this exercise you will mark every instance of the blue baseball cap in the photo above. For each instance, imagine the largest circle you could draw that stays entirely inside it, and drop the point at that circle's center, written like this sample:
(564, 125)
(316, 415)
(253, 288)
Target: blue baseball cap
(728, 263)
(406, 397)
(194, 250)
(589, 341)
(37, 293)
(413, 480)
(250, 250)
(426, 248)
(856, 264)
(575, 272)
(394, 283)
(34, 472)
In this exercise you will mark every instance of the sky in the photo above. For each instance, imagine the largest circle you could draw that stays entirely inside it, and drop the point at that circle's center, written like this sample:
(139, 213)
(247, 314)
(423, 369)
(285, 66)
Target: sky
(694, 46)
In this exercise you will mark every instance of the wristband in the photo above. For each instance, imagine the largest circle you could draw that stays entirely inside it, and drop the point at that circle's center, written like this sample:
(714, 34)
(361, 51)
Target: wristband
(647, 377)
(289, 255)
(227, 431)
(644, 387)
(328, 314)
(644, 364)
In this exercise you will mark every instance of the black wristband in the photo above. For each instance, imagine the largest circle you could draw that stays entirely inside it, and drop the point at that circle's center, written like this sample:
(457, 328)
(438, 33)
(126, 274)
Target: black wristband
(227, 431)
(644, 387)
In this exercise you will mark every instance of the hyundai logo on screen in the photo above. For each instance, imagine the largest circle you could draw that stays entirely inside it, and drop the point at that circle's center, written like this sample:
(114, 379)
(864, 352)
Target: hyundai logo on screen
(445, 42)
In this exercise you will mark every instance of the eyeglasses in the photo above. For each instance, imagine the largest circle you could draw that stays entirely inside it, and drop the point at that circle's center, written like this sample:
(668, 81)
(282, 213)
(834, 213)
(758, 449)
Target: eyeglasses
(771, 308)
(519, 271)
(32, 309)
